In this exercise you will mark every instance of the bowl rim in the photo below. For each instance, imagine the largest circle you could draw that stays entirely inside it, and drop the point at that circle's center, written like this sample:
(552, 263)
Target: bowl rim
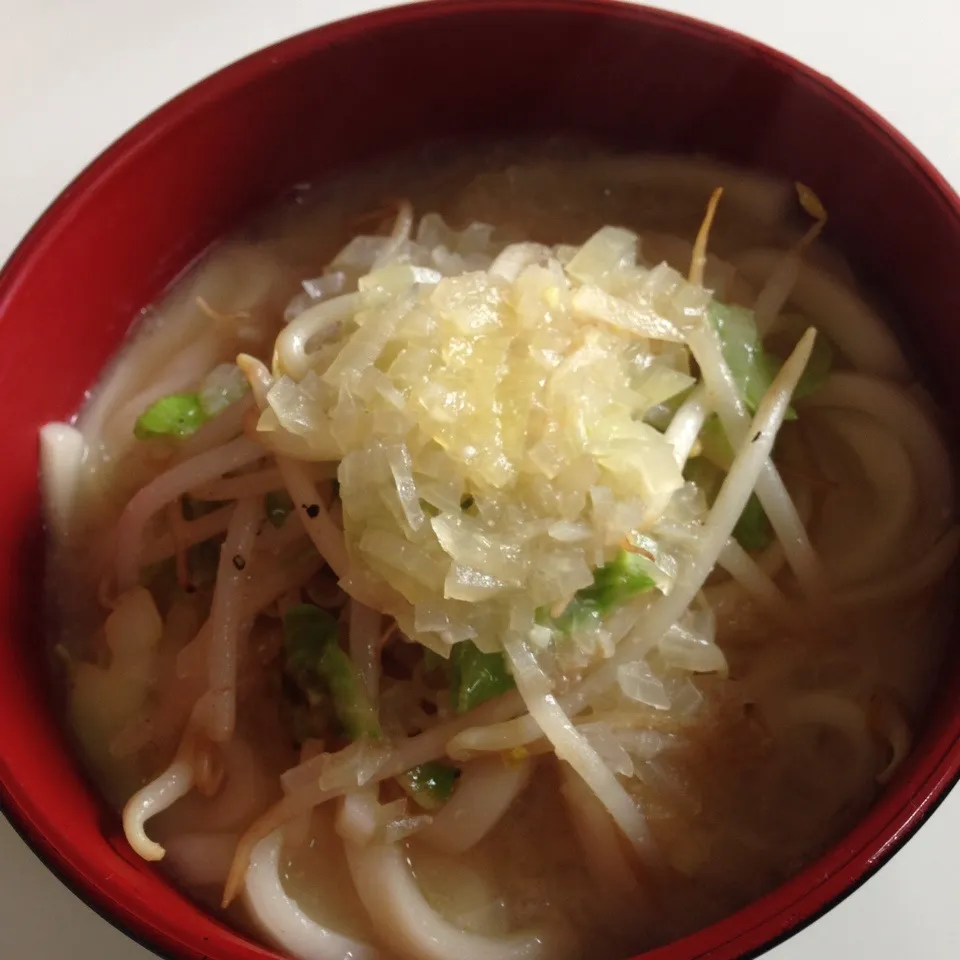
(790, 907)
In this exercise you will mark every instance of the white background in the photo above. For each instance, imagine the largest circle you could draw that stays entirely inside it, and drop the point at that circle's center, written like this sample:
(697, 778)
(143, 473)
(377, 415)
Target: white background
(74, 74)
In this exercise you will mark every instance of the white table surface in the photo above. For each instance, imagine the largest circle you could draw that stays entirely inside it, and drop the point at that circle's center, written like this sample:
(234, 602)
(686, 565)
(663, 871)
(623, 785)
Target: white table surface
(74, 74)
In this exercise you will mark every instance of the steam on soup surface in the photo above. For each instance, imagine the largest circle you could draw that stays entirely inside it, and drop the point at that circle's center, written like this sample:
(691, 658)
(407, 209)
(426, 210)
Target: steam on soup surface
(489, 555)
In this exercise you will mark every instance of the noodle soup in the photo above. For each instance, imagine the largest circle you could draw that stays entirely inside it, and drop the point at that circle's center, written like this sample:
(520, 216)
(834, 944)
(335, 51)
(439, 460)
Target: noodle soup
(493, 554)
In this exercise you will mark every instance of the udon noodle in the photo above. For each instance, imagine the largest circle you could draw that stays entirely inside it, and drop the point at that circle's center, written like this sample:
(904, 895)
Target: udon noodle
(532, 566)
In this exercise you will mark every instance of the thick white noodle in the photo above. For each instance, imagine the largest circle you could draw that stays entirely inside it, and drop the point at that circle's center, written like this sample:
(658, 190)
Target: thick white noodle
(899, 412)
(903, 584)
(282, 921)
(414, 930)
(881, 544)
(62, 449)
(822, 708)
(890, 723)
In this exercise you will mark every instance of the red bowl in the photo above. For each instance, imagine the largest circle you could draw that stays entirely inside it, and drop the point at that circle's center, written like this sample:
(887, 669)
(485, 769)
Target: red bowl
(636, 78)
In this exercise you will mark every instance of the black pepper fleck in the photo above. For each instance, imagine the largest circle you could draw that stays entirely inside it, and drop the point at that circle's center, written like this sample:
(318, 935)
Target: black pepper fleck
(313, 510)
(239, 562)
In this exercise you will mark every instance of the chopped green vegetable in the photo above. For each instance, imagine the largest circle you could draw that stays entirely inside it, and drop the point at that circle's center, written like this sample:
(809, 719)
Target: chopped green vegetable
(356, 713)
(743, 350)
(176, 415)
(752, 366)
(475, 676)
(316, 663)
(615, 583)
(278, 507)
(430, 784)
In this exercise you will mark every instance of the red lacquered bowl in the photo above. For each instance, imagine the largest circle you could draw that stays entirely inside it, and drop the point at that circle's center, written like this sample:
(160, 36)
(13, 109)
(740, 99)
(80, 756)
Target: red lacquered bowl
(636, 78)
